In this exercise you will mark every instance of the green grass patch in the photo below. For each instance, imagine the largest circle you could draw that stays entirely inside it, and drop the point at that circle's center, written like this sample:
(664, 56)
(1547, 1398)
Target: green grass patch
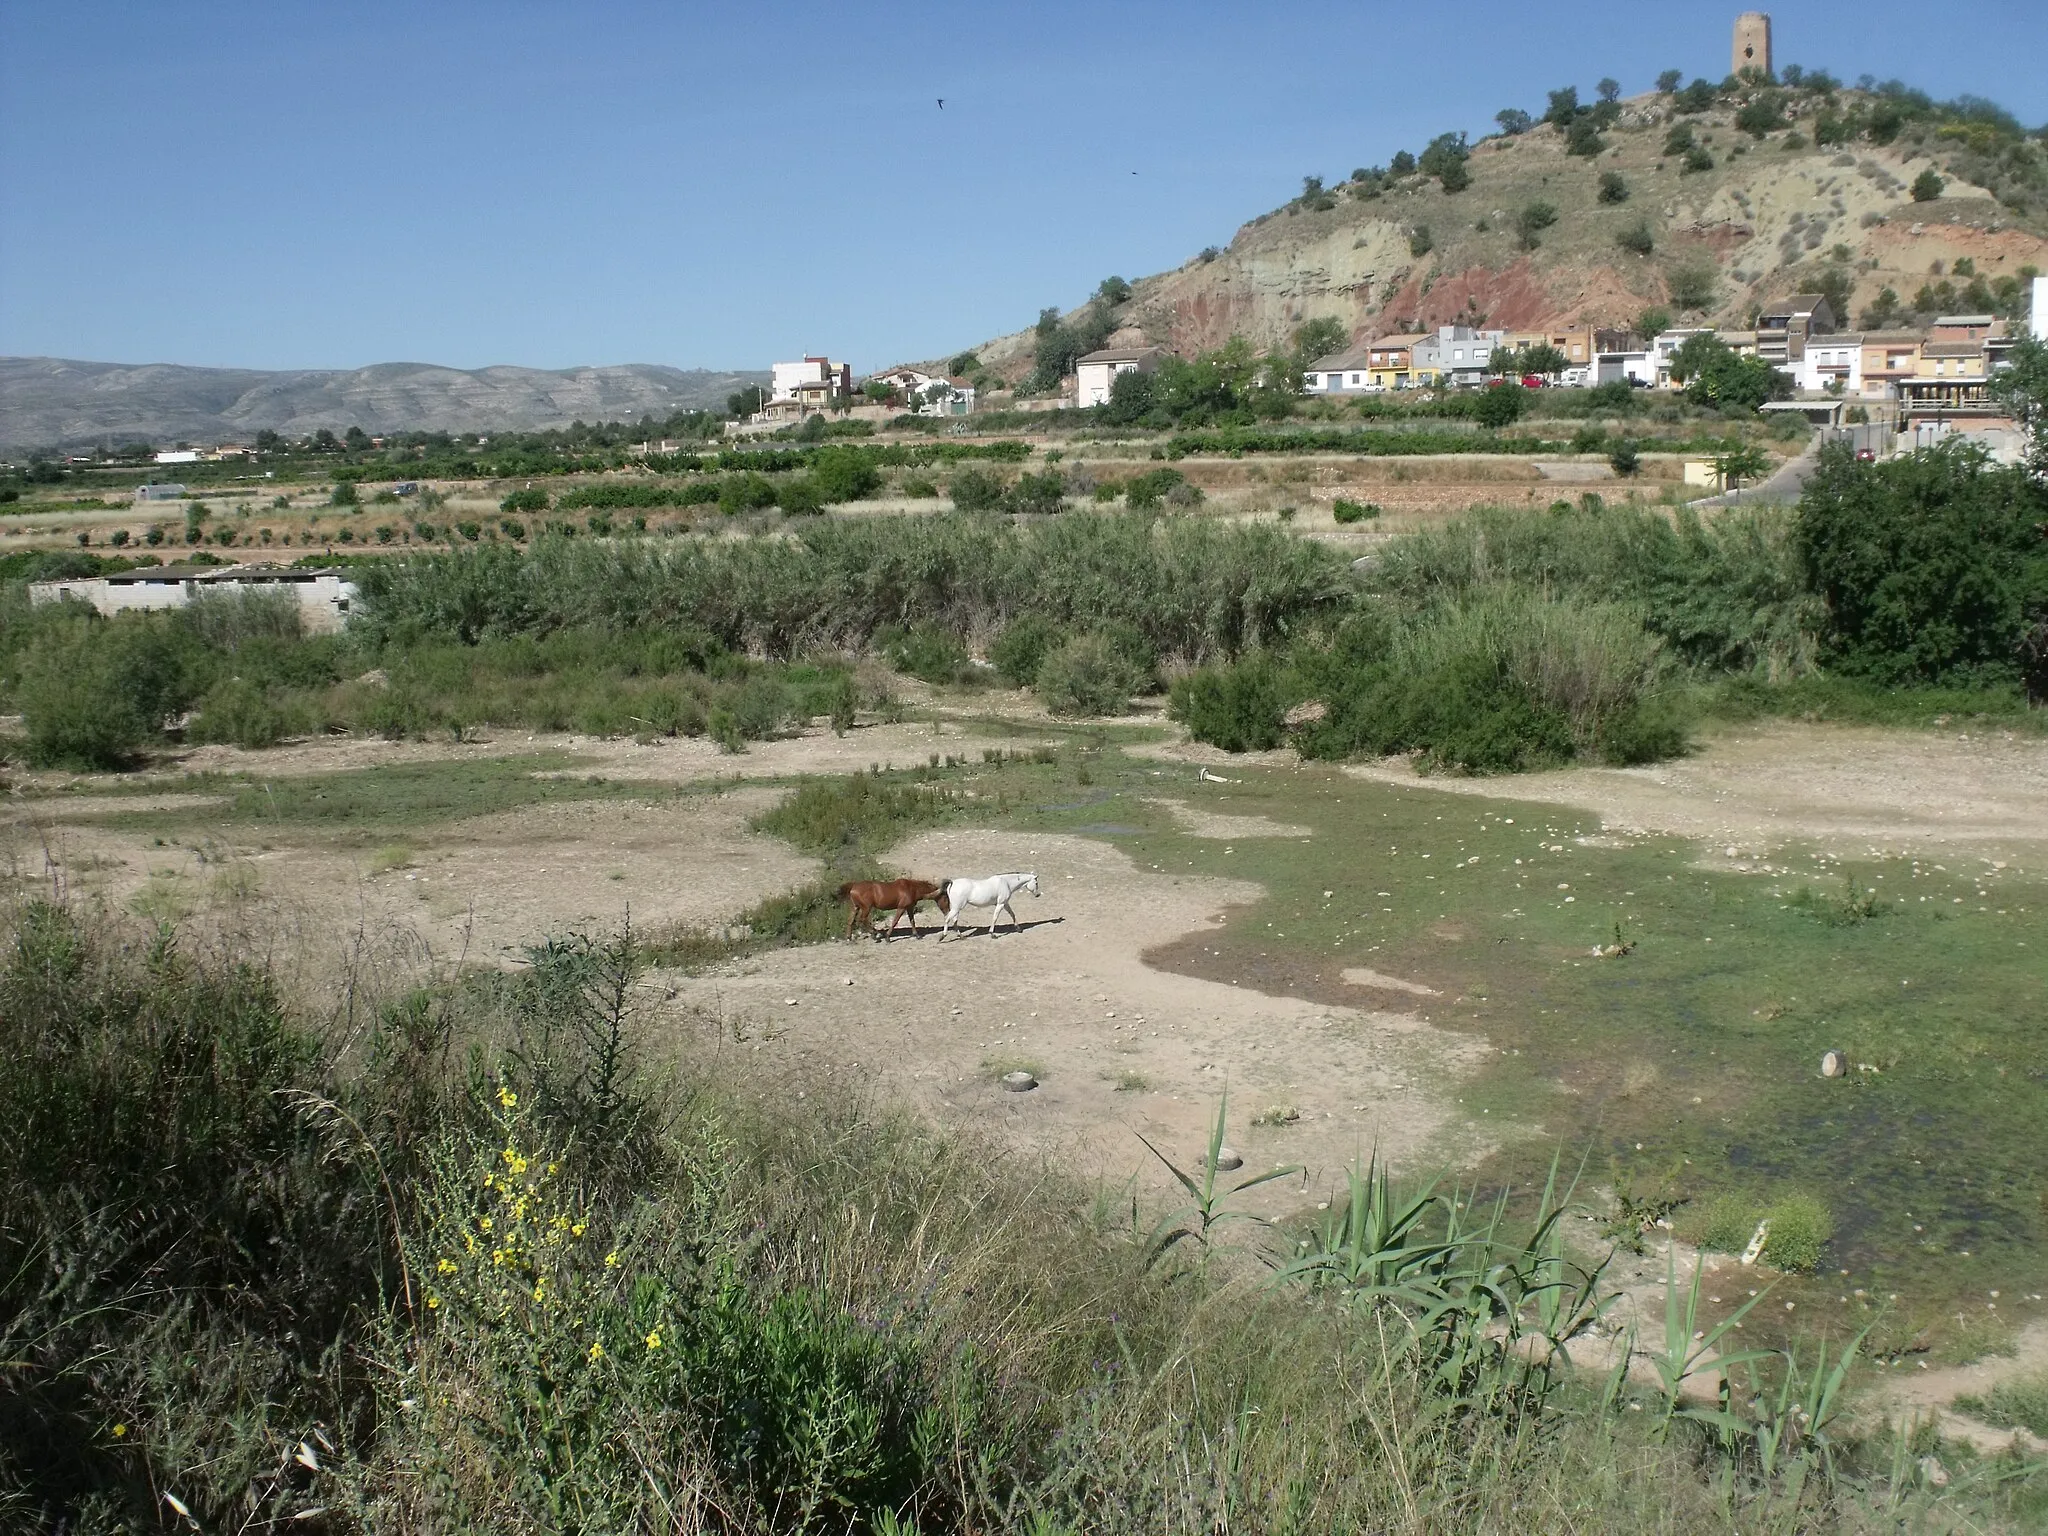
(2021, 1403)
(371, 804)
(1849, 701)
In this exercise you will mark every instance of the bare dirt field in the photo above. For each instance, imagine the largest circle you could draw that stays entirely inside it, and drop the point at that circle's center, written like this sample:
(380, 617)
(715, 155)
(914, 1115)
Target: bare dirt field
(1850, 791)
(1120, 1049)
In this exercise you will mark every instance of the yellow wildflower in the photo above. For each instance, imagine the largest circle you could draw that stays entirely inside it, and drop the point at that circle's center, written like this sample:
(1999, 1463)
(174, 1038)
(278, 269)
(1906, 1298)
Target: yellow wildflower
(122, 1429)
(446, 1266)
(654, 1339)
(483, 1223)
(611, 1260)
(596, 1353)
(433, 1302)
(577, 1229)
(507, 1097)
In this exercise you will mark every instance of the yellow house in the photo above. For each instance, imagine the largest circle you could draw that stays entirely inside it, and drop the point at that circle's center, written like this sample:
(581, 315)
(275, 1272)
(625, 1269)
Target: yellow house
(1890, 358)
(1390, 362)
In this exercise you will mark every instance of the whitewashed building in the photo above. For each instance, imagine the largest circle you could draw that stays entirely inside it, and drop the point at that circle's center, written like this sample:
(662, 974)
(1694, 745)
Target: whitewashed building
(324, 597)
(1341, 373)
(1095, 372)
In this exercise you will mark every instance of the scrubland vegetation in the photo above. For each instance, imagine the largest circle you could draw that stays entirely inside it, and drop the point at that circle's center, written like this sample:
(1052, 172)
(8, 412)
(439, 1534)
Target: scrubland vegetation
(1513, 639)
(477, 1253)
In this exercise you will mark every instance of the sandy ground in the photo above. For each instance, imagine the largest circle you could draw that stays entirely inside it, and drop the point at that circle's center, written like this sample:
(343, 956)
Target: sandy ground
(1119, 1049)
(1749, 792)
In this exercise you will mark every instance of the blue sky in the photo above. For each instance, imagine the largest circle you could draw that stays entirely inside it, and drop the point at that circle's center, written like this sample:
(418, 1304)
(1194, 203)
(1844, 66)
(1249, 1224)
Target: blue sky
(300, 185)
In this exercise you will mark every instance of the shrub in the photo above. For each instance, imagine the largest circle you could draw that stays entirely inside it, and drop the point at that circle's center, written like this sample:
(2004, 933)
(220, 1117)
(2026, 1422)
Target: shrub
(531, 499)
(1532, 221)
(1020, 651)
(800, 496)
(1696, 160)
(976, 490)
(93, 692)
(1928, 186)
(240, 713)
(1087, 676)
(1501, 405)
(1625, 460)
(839, 473)
(1041, 493)
(1353, 511)
(344, 494)
(1240, 708)
(1637, 238)
(1799, 1228)
(1583, 138)
(927, 652)
(1420, 241)
(745, 492)
(1613, 189)
(1149, 488)
(919, 487)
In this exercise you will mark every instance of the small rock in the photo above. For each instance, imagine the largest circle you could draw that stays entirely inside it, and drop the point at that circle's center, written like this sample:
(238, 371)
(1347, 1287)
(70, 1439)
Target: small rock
(1833, 1064)
(1019, 1082)
(1932, 1472)
(789, 1002)
(1227, 1160)
(846, 981)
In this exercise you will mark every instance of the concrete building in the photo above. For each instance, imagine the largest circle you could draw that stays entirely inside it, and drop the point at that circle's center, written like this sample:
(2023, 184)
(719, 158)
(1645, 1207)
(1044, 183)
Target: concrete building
(164, 492)
(324, 597)
(1455, 355)
(1752, 50)
(178, 456)
(812, 377)
(1664, 347)
(1341, 373)
(1390, 361)
(1782, 329)
(1574, 341)
(1889, 359)
(1832, 365)
(1097, 371)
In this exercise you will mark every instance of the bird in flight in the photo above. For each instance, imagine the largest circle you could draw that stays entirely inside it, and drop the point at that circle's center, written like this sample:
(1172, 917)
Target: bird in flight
(942, 103)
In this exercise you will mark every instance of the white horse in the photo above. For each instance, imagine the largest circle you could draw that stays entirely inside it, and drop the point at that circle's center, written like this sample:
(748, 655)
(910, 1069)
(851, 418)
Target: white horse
(995, 891)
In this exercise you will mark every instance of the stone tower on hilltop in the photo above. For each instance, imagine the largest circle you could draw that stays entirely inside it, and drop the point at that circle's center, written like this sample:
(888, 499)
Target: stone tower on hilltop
(1752, 43)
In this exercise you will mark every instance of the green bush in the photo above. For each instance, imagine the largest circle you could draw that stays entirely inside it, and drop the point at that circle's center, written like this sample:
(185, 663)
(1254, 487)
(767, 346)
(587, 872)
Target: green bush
(1800, 1228)
(1021, 649)
(1729, 1223)
(1353, 511)
(926, 652)
(1088, 676)
(1240, 708)
(1040, 493)
(1932, 567)
(530, 499)
(94, 692)
(919, 487)
(976, 490)
(238, 712)
(2019, 1402)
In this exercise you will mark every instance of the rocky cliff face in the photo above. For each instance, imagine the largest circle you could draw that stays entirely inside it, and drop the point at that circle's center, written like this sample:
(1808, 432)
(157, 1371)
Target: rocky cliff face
(1774, 215)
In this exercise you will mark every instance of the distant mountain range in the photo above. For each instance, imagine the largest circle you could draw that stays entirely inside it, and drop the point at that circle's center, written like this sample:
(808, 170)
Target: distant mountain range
(50, 402)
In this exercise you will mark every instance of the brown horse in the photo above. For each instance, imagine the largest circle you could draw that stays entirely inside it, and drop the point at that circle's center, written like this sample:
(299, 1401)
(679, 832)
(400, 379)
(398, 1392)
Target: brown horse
(899, 897)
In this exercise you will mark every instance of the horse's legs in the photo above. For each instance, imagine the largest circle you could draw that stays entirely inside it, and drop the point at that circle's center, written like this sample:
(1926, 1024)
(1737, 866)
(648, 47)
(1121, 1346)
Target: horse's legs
(852, 917)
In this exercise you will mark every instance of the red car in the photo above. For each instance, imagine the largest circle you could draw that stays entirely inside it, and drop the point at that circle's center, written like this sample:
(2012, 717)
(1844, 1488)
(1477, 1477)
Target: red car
(1532, 381)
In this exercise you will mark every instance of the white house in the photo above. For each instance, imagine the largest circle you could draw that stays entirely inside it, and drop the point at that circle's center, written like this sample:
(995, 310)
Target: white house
(178, 456)
(1341, 373)
(809, 377)
(1832, 364)
(1664, 347)
(1097, 371)
(1634, 362)
(907, 382)
(324, 597)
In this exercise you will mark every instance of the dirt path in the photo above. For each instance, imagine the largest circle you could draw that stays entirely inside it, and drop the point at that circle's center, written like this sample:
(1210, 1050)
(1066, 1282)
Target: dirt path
(1118, 1048)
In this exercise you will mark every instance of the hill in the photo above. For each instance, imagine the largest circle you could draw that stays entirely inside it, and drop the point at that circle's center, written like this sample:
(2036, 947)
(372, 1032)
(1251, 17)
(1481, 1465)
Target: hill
(48, 402)
(1707, 202)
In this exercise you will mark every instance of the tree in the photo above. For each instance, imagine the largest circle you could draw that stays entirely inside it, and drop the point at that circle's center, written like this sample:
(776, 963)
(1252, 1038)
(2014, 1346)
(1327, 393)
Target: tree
(1932, 566)
(1625, 460)
(2022, 387)
(1763, 113)
(1697, 97)
(268, 441)
(1114, 290)
(1532, 221)
(1613, 189)
(1445, 159)
(1713, 374)
(965, 363)
(746, 402)
(1420, 241)
(1403, 164)
(1514, 121)
(357, 439)
(1609, 90)
(1319, 338)
(1884, 311)
(1740, 464)
(1540, 360)
(1694, 287)
(1132, 395)
(1564, 107)
(1583, 138)
(1927, 186)
(1667, 83)
(1654, 321)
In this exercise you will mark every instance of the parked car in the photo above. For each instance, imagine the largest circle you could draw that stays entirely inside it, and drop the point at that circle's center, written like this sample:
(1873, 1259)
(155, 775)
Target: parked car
(1533, 381)
(1866, 455)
